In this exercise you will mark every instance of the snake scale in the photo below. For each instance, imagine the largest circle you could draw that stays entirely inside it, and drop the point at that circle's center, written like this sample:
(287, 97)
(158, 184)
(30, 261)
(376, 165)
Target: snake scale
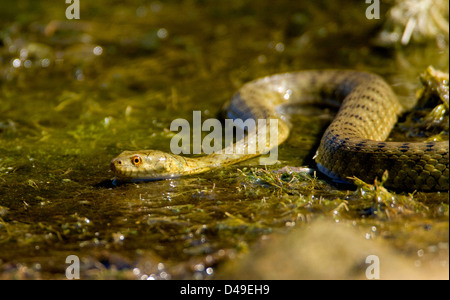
(354, 144)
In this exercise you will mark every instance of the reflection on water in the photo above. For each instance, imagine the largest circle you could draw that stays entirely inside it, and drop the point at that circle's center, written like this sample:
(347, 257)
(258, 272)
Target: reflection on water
(74, 94)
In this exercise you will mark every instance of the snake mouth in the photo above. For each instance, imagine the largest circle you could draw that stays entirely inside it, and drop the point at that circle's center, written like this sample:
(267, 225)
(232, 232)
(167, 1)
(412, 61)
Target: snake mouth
(113, 163)
(122, 171)
(117, 167)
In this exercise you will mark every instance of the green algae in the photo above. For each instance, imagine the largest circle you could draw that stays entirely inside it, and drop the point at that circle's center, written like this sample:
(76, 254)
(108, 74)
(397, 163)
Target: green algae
(66, 112)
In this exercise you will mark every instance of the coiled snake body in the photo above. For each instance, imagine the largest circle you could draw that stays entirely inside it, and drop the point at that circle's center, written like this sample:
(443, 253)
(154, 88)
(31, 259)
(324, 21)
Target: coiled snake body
(353, 145)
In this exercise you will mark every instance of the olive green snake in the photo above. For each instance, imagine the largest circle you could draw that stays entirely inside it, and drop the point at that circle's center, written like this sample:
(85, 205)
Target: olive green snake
(354, 144)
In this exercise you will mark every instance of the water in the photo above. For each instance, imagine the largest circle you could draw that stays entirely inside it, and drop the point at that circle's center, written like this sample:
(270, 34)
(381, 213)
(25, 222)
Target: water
(74, 94)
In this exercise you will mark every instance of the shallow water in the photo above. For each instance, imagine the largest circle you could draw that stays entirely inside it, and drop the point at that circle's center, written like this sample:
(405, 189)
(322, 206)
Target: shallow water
(74, 94)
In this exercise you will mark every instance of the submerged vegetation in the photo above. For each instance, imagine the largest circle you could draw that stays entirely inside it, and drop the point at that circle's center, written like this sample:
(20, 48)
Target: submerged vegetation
(74, 94)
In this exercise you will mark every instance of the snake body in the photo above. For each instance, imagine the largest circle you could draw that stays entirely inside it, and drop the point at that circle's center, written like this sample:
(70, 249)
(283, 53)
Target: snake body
(354, 145)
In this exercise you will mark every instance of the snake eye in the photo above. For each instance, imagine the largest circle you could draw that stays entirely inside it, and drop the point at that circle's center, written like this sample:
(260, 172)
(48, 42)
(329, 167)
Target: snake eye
(136, 160)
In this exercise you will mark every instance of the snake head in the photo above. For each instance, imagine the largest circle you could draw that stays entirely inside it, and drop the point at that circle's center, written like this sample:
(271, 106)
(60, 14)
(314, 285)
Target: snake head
(146, 165)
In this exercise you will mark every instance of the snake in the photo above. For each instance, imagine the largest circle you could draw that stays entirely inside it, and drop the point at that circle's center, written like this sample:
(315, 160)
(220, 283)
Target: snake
(355, 144)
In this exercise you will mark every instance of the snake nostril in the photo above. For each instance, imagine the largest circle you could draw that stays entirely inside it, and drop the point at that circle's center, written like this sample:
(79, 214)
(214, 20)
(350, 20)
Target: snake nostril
(114, 164)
